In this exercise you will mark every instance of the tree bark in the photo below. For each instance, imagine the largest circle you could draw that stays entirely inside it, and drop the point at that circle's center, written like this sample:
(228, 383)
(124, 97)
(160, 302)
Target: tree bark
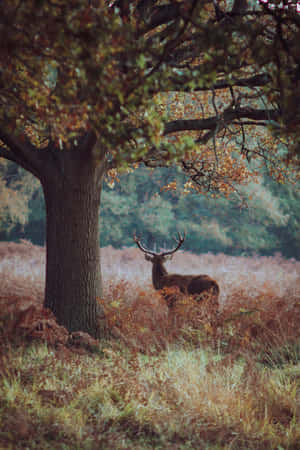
(72, 192)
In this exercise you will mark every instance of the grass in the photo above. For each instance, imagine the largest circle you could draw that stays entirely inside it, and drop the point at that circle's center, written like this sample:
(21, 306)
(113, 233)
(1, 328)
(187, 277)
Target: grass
(177, 379)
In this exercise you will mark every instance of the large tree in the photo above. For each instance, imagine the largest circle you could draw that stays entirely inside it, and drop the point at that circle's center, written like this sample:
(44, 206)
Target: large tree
(87, 86)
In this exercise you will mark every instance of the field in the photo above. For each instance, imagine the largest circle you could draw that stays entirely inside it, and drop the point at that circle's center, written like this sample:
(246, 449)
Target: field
(167, 378)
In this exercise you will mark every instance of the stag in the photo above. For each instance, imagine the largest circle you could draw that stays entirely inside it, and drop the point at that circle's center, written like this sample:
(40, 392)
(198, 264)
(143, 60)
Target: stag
(200, 286)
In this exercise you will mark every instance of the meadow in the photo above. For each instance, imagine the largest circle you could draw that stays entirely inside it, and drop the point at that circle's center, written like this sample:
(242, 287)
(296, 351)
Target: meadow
(166, 378)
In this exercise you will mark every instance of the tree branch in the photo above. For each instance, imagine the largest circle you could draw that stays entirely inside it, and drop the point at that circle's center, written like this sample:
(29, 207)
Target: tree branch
(7, 154)
(162, 15)
(22, 153)
(255, 81)
(228, 116)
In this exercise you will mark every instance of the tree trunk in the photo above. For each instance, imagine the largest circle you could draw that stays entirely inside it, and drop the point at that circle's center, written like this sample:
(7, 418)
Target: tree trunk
(72, 192)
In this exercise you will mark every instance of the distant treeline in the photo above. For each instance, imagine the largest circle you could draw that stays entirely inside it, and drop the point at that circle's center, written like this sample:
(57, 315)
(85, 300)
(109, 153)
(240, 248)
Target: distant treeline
(262, 218)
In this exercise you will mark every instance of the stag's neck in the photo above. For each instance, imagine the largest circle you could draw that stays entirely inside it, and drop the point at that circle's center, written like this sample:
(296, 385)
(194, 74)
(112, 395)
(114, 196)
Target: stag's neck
(158, 272)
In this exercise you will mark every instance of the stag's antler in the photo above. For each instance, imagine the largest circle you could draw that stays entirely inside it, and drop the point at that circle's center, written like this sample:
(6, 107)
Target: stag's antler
(179, 241)
(138, 243)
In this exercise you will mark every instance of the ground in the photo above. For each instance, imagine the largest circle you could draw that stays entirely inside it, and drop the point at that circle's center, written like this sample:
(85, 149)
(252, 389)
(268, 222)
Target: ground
(179, 378)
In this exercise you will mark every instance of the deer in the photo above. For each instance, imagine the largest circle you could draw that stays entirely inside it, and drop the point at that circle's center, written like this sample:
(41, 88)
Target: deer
(199, 286)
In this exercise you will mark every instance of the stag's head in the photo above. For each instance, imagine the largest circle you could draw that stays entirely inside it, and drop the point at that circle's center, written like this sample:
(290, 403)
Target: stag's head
(159, 272)
(155, 257)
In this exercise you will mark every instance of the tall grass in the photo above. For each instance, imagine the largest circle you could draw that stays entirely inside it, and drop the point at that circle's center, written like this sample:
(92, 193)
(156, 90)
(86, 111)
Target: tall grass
(174, 378)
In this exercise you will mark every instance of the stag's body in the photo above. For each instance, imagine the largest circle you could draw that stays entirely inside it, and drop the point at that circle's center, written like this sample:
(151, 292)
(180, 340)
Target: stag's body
(188, 284)
(196, 285)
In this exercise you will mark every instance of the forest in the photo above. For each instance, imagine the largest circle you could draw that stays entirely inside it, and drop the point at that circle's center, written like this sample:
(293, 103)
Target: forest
(262, 218)
(149, 224)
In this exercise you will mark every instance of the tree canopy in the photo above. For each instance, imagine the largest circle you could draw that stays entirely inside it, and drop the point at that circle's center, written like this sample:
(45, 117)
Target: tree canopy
(156, 81)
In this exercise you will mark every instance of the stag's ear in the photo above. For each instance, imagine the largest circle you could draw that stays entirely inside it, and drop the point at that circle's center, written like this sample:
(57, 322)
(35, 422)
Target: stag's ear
(148, 257)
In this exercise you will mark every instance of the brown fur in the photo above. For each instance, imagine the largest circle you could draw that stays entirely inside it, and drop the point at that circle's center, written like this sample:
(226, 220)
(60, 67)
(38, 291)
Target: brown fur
(191, 284)
(200, 286)
(187, 284)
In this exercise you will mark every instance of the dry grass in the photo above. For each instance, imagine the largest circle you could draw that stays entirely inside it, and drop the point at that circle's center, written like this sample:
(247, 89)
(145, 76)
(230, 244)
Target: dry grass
(179, 378)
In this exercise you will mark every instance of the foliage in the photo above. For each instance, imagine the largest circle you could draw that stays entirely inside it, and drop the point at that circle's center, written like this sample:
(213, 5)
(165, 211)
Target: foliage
(17, 188)
(233, 386)
(263, 218)
(249, 222)
(193, 83)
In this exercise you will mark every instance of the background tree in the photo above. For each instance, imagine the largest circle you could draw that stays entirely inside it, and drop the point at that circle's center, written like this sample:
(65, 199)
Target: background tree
(16, 190)
(88, 86)
(268, 223)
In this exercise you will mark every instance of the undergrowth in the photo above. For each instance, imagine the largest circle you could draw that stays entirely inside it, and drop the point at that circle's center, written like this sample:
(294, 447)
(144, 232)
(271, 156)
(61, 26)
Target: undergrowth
(184, 377)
